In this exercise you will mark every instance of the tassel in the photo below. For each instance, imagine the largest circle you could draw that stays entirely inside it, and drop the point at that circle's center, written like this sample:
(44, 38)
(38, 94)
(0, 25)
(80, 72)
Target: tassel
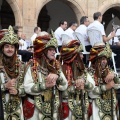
(16, 65)
(34, 68)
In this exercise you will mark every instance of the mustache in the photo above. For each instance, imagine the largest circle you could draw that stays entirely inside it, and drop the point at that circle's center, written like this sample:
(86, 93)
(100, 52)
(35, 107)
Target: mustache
(104, 65)
(10, 51)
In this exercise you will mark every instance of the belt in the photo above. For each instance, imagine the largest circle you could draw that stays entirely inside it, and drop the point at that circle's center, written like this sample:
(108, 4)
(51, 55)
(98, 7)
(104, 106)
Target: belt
(6, 91)
(30, 96)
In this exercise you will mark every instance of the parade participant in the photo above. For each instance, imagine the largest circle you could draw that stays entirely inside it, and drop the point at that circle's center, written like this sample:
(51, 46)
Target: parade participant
(75, 98)
(11, 76)
(25, 55)
(2, 32)
(103, 95)
(43, 80)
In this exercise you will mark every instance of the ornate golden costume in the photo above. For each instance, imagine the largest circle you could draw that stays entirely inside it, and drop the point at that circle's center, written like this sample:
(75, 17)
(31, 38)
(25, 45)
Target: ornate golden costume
(46, 108)
(11, 67)
(103, 100)
(74, 69)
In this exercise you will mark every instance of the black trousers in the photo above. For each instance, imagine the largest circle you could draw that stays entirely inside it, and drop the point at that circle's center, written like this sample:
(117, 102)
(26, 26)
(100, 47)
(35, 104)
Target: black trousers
(88, 48)
(116, 50)
(26, 55)
(85, 56)
(59, 48)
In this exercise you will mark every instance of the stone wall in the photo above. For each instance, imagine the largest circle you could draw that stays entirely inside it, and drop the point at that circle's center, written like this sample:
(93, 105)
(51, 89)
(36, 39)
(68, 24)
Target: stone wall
(26, 12)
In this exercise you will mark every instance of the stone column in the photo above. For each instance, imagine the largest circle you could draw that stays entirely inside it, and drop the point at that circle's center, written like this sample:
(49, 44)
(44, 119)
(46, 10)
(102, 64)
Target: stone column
(92, 7)
(29, 17)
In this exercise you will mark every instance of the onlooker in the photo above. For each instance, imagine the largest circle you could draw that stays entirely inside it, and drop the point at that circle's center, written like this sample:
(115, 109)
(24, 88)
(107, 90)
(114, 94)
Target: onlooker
(82, 29)
(30, 49)
(97, 24)
(59, 31)
(26, 55)
(71, 30)
(37, 30)
(18, 30)
(115, 46)
(116, 39)
(22, 43)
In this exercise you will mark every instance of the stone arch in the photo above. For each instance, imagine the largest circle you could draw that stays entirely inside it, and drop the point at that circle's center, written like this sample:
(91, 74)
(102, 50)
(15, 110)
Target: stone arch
(16, 10)
(105, 8)
(77, 7)
(107, 5)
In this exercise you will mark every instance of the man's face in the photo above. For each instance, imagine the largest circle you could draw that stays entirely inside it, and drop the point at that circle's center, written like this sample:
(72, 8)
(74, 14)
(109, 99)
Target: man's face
(103, 62)
(64, 26)
(51, 53)
(100, 18)
(87, 22)
(81, 55)
(23, 36)
(19, 32)
(74, 27)
(9, 50)
(39, 30)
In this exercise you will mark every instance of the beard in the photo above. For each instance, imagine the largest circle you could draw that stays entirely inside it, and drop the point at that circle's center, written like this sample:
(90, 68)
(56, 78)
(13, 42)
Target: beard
(103, 65)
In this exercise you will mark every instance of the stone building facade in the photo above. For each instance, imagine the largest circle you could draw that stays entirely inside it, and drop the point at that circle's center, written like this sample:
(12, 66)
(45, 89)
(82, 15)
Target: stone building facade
(28, 12)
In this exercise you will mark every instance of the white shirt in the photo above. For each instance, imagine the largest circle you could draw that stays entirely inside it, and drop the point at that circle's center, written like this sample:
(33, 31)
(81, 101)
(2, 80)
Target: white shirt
(58, 32)
(98, 25)
(115, 38)
(83, 30)
(28, 42)
(33, 37)
(69, 32)
(97, 33)
(24, 45)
